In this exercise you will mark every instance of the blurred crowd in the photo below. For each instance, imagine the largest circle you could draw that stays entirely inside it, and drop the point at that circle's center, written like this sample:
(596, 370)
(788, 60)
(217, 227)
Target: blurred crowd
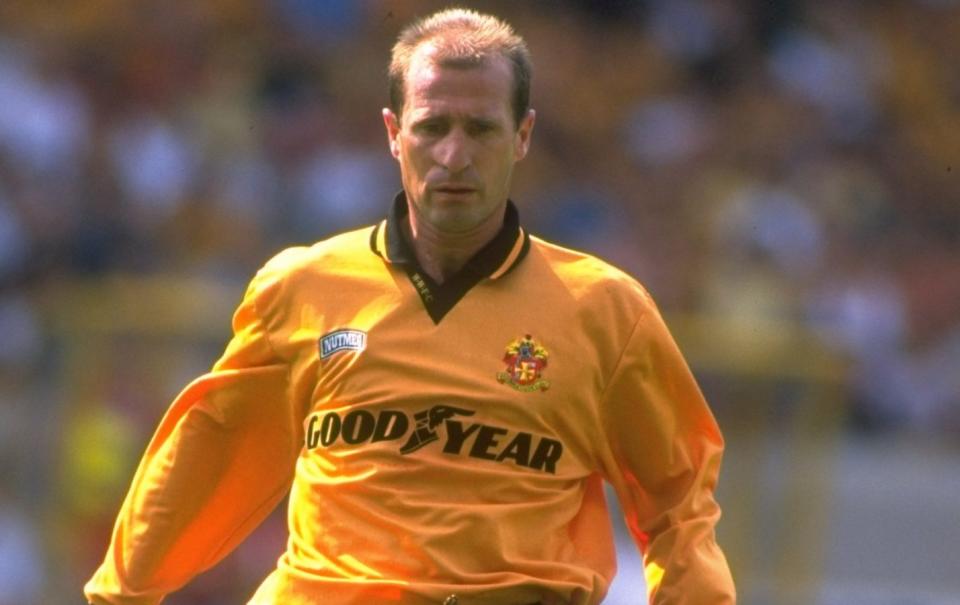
(781, 161)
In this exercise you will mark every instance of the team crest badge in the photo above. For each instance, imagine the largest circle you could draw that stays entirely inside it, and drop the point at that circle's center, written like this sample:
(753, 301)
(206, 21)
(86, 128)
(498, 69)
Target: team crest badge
(526, 360)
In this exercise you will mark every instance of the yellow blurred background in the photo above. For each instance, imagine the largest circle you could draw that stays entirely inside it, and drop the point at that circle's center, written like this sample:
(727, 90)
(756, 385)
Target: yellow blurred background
(782, 176)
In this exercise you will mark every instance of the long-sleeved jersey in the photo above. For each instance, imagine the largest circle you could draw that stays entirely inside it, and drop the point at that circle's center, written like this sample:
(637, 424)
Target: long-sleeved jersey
(442, 443)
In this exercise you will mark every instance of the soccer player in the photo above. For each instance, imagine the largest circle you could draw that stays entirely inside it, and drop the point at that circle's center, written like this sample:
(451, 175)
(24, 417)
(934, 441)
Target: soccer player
(442, 394)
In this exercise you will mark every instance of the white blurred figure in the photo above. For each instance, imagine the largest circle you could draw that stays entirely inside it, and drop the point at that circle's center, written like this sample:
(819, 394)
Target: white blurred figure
(155, 163)
(22, 342)
(839, 75)
(781, 223)
(863, 314)
(21, 567)
(15, 244)
(44, 122)
(668, 129)
(935, 383)
(769, 244)
(340, 188)
(691, 30)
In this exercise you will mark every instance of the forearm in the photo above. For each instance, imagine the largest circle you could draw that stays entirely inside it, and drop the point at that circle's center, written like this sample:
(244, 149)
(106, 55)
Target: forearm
(665, 471)
(683, 564)
(219, 462)
(688, 570)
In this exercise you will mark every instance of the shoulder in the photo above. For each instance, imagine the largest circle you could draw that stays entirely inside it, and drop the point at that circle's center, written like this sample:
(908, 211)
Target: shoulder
(592, 280)
(336, 254)
(341, 255)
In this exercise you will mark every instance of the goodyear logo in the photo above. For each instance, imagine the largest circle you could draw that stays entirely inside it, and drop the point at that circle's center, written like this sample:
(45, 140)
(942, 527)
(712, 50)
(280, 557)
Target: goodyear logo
(459, 436)
(342, 340)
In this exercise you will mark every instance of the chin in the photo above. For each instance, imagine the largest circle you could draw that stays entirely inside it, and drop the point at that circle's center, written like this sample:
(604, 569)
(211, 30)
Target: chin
(453, 222)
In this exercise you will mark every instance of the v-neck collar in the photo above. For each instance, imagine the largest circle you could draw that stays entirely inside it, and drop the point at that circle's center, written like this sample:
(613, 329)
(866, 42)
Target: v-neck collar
(493, 261)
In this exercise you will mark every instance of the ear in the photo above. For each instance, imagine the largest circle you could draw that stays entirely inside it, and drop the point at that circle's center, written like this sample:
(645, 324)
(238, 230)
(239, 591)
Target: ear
(392, 122)
(523, 134)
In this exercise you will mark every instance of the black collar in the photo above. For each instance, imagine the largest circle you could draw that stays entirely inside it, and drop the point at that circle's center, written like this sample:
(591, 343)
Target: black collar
(493, 261)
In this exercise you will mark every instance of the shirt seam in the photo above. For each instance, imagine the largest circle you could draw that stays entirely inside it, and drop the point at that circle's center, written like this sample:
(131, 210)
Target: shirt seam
(608, 451)
(287, 363)
(623, 353)
(266, 330)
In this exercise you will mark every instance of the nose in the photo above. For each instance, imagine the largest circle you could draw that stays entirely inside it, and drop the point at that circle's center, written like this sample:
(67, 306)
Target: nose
(454, 152)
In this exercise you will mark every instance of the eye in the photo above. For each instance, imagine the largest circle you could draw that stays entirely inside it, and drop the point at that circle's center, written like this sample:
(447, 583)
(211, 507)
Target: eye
(480, 128)
(431, 127)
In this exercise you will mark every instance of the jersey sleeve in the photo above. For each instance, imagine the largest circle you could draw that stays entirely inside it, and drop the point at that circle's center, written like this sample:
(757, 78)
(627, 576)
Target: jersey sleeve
(221, 459)
(665, 451)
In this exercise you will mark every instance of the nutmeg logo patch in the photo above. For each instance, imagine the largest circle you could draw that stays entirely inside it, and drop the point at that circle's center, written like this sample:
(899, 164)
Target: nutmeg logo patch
(342, 340)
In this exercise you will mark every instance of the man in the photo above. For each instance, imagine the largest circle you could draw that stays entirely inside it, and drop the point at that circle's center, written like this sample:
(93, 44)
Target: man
(444, 393)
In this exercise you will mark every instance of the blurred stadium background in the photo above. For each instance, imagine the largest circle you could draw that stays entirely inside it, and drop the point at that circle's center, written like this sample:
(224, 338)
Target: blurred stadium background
(783, 175)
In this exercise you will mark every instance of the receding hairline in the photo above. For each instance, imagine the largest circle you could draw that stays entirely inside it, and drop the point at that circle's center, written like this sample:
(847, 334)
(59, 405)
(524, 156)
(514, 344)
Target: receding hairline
(426, 71)
(438, 51)
(457, 32)
(431, 54)
(461, 39)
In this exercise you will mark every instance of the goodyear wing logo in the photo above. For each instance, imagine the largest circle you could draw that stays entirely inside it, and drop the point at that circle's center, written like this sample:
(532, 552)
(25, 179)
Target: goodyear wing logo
(427, 422)
(460, 437)
(526, 360)
(342, 340)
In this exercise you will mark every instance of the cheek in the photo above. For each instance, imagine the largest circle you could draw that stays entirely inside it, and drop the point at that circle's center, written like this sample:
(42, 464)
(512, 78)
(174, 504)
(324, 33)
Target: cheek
(414, 157)
(413, 167)
(506, 166)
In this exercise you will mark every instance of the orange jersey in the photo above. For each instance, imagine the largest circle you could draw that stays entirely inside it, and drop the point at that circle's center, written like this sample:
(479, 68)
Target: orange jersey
(436, 440)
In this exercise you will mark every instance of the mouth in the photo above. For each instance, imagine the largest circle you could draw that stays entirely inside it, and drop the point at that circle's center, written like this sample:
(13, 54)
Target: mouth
(454, 189)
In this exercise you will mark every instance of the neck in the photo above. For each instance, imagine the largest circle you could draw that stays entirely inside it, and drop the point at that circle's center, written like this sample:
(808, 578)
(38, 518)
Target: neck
(441, 254)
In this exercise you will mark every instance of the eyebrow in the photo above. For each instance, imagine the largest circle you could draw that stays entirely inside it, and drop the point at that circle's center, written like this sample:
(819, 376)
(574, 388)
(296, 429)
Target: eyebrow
(445, 117)
(483, 121)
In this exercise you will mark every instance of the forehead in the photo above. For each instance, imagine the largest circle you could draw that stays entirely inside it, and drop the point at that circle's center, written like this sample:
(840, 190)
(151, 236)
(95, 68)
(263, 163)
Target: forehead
(485, 87)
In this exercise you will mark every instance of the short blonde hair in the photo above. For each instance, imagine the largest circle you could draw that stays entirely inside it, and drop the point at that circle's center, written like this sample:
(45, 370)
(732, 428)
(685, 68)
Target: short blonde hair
(462, 38)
